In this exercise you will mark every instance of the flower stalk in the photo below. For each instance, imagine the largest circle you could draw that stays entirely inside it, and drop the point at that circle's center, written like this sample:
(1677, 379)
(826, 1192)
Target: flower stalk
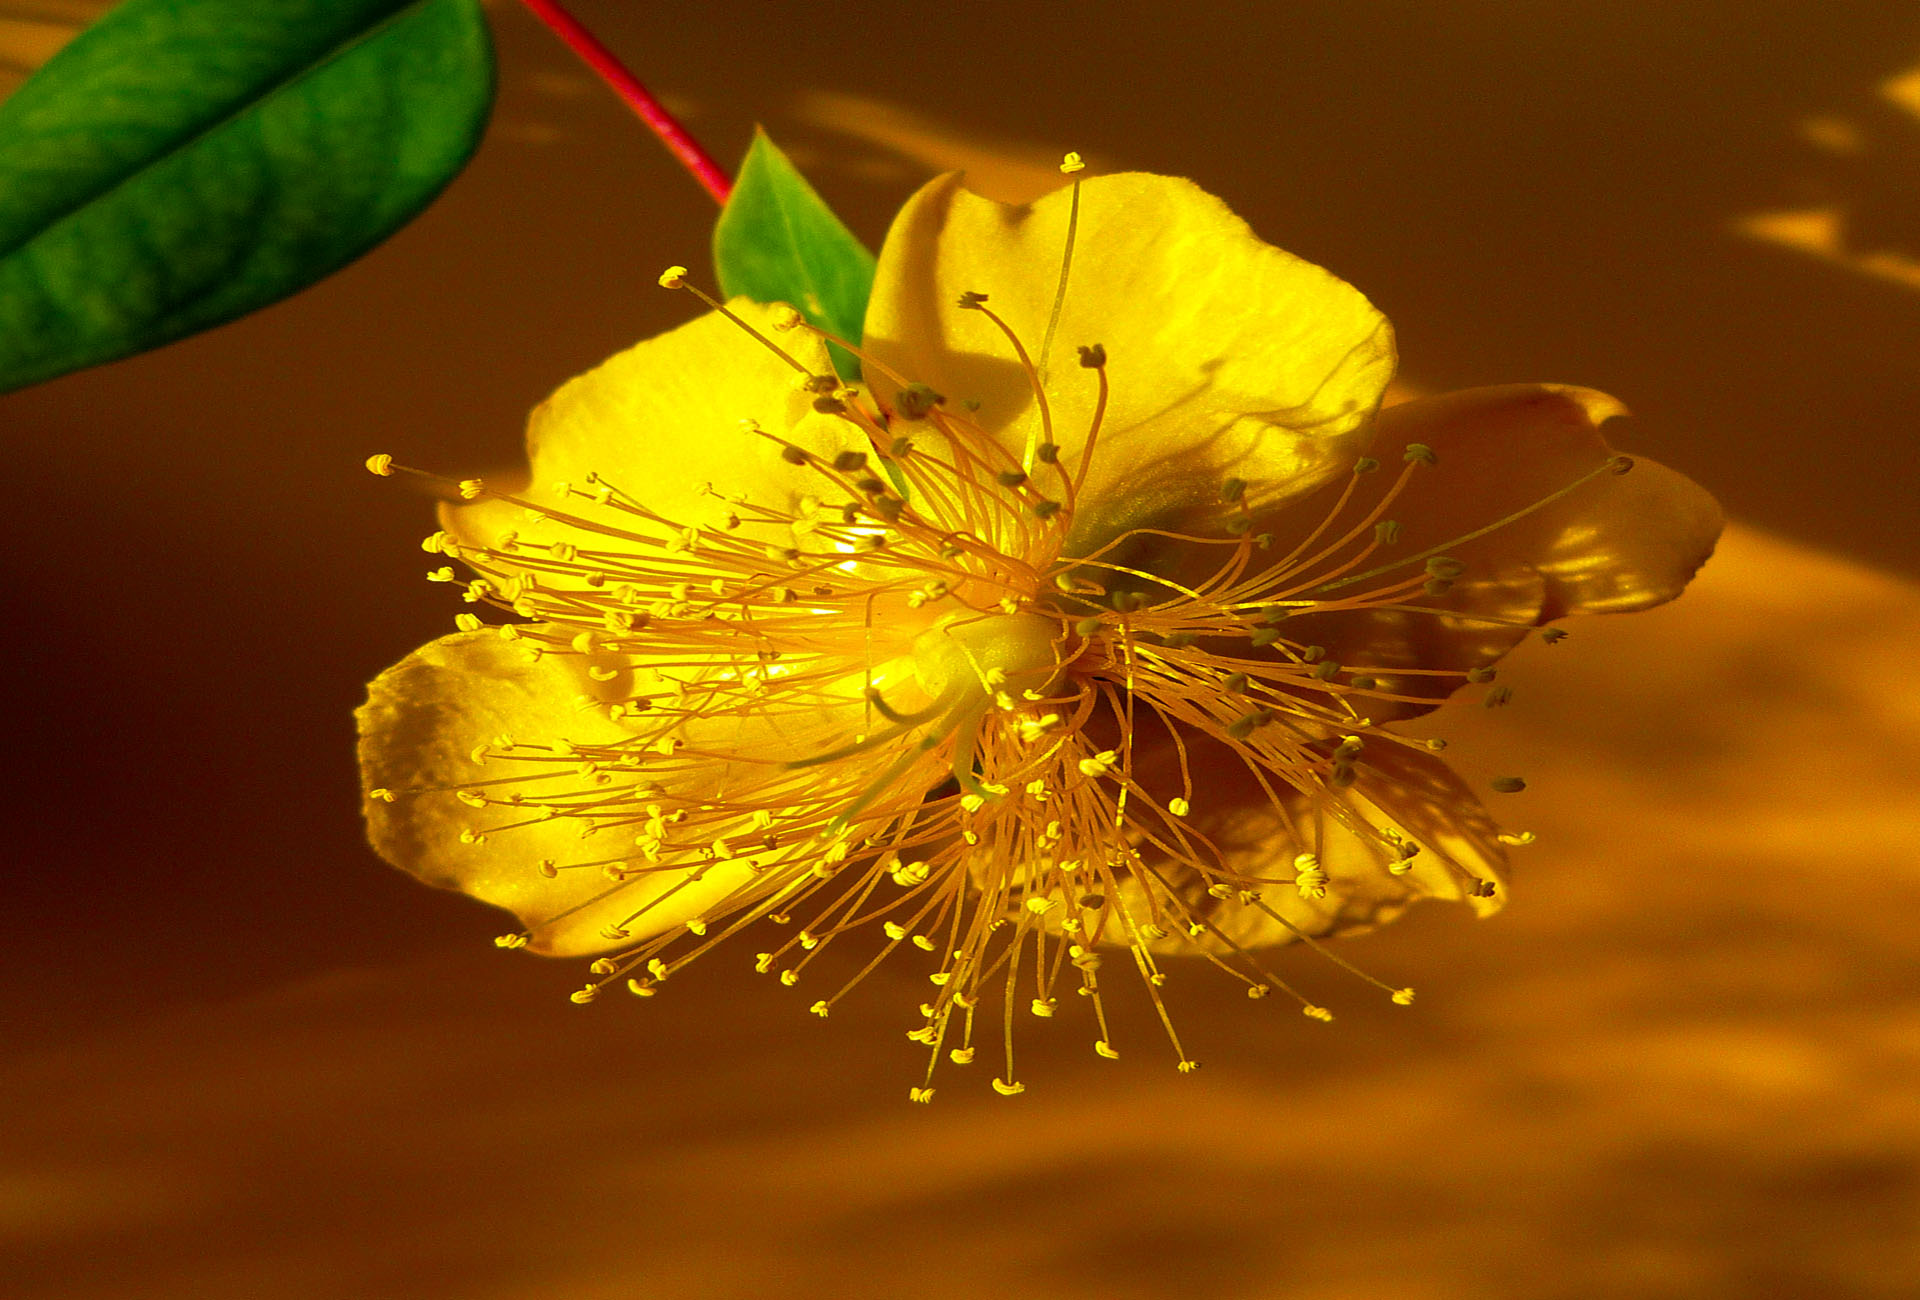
(607, 66)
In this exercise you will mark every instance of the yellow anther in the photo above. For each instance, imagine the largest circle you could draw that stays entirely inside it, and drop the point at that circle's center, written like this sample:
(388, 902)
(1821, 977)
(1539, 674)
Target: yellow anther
(470, 488)
(762, 961)
(1104, 1048)
(789, 977)
(674, 277)
(921, 941)
(1006, 1089)
(921, 1095)
(1179, 807)
(1517, 837)
(580, 997)
(1321, 1014)
(1188, 1067)
(961, 1056)
(510, 941)
(1099, 765)
(381, 465)
(1309, 877)
(1072, 163)
(940, 976)
(1043, 1007)
(820, 1008)
(894, 930)
(639, 990)
(1403, 997)
(696, 927)
(1041, 906)
(1034, 728)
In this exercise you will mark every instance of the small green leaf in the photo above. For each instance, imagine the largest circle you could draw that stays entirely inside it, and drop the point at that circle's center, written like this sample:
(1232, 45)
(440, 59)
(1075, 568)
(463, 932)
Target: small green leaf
(184, 162)
(778, 241)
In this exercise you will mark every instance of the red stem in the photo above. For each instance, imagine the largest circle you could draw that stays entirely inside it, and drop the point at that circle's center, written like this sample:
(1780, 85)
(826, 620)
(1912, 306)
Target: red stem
(603, 61)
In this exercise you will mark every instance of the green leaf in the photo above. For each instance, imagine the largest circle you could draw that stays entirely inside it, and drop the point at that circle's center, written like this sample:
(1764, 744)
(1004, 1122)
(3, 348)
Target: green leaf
(778, 241)
(184, 162)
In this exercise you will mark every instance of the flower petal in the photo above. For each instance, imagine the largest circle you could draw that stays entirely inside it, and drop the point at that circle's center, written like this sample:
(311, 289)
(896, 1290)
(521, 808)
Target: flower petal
(1227, 357)
(1618, 542)
(1399, 787)
(419, 728)
(566, 785)
(667, 422)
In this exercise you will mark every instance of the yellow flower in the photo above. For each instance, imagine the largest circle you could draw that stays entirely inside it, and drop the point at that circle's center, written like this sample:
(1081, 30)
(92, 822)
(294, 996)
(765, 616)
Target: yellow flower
(1077, 627)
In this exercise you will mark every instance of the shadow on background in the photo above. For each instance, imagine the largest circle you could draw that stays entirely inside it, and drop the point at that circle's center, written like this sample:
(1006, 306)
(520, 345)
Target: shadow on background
(201, 580)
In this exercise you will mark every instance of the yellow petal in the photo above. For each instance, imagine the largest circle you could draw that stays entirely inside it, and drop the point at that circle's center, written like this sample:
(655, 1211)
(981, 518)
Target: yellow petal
(477, 823)
(1226, 356)
(1399, 787)
(1619, 542)
(667, 423)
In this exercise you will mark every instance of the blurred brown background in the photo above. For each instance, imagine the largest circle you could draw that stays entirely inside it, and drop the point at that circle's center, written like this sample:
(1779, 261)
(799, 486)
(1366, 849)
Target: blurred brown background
(245, 1058)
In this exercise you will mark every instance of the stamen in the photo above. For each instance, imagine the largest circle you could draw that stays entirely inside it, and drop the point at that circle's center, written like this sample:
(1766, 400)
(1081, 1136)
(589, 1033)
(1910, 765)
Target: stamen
(1071, 165)
(675, 277)
(1613, 465)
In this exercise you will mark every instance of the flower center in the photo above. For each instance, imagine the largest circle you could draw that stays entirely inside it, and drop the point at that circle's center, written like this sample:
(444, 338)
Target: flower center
(1002, 656)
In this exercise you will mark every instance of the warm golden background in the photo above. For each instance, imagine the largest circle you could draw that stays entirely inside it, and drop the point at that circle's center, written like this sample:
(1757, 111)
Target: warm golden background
(246, 1059)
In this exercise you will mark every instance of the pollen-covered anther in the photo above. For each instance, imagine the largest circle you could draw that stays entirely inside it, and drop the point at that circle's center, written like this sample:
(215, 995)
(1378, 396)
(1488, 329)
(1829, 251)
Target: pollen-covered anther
(1032, 729)
(1309, 877)
(1247, 723)
(674, 277)
(914, 402)
(1099, 765)
(381, 464)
